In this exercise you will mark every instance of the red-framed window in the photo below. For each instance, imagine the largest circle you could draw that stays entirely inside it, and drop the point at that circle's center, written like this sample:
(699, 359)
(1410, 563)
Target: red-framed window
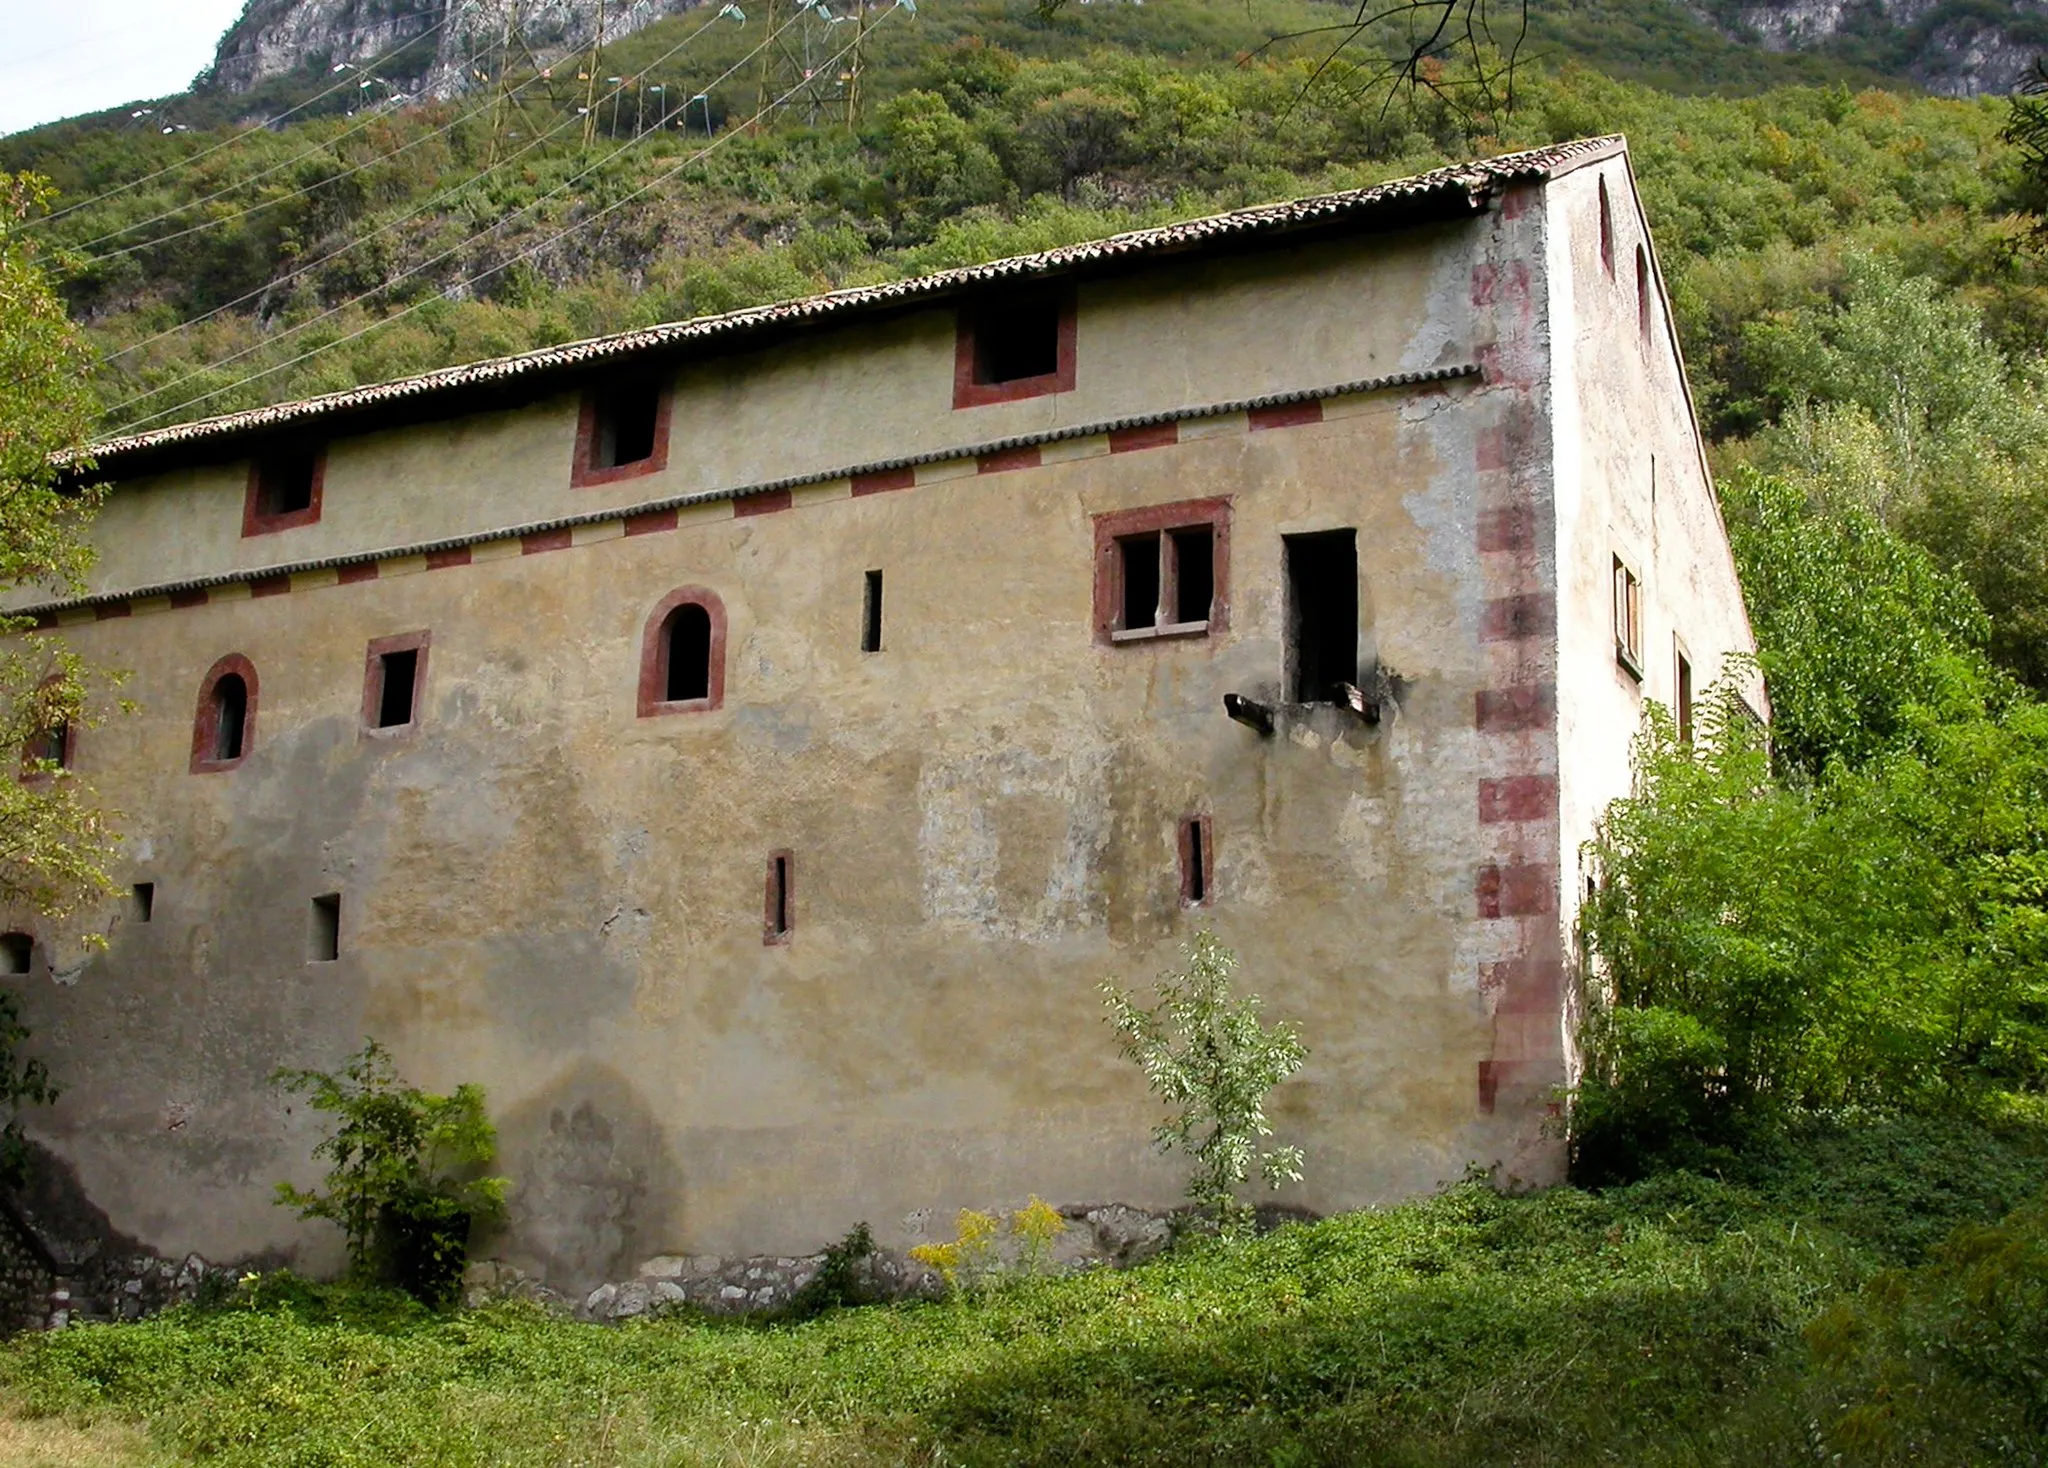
(224, 727)
(778, 912)
(622, 432)
(285, 488)
(1162, 571)
(1016, 342)
(682, 654)
(395, 684)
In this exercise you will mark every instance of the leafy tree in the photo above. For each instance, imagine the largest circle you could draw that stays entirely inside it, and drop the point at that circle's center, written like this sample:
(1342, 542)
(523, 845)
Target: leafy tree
(1901, 405)
(402, 1184)
(1868, 934)
(1206, 1054)
(53, 843)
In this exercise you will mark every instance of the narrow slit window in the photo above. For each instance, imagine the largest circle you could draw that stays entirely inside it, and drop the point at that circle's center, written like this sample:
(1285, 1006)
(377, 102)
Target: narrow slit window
(625, 433)
(142, 901)
(1197, 862)
(17, 951)
(230, 716)
(1643, 292)
(1606, 231)
(1684, 699)
(1322, 615)
(687, 641)
(1628, 618)
(324, 945)
(1017, 339)
(1140, 557)
(1194, 573)
(871, 614)
(394, 698)
(779, 918)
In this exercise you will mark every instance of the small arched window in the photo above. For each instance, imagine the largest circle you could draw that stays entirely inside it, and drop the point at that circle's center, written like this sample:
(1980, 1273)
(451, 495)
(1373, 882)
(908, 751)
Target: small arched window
(1606, 231)
(54, 743)
(1643, 292)
(224, 728)
(682, 654)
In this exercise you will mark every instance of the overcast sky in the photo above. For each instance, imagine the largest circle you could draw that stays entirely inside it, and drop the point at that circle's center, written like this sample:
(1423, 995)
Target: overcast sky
(59, 58)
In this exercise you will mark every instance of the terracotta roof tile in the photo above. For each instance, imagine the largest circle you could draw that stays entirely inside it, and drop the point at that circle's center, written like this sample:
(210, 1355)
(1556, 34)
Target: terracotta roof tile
(1470, 184)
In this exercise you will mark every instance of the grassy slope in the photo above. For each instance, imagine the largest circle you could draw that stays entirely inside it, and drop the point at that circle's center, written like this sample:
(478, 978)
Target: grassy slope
(1656, 1324)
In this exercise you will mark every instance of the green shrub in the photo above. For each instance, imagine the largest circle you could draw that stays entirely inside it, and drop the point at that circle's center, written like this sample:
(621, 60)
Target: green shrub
(402, 1184)
(1206, 1054)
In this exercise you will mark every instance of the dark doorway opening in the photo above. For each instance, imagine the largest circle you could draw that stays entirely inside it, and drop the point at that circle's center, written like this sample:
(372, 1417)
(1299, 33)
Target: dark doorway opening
(1322, 615)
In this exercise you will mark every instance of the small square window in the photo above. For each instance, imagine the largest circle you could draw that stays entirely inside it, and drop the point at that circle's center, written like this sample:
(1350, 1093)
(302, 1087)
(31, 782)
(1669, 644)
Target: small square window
(142, 901)
(284, 490)
(1161, 571)
(1628, 619)
(1017, 344)
(17, 952)
(393, 681)
(623, 432)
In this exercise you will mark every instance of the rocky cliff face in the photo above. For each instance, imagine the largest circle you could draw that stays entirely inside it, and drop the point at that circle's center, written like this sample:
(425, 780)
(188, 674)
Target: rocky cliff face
(434, 47)
(1958, 48)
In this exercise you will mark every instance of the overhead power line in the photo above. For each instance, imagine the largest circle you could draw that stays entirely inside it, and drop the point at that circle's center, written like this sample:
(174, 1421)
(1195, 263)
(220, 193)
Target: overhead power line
(453, 250)
(243, 135)
(320, 152)
(440, 196)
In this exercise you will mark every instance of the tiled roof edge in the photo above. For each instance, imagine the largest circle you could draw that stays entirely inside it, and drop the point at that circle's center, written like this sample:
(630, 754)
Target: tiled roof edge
(1453, 373)
(1476, 179)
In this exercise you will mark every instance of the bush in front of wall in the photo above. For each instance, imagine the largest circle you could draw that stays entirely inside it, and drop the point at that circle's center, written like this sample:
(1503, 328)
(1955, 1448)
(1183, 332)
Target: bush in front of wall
(402, 1182)
(1206, 1053)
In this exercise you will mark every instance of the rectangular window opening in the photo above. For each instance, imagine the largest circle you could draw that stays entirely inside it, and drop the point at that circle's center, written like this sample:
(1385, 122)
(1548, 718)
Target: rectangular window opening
(871, 615)
(142, 901)
(626, 419)
(284, 483)
(1017, 338)
(1194, 573)
(52, 746)
(397, 672)
(1628, 618)
(1139, 555)
(324, 945)
(780, 916)
(1322, 615)
(17, 951)
(1195, 857)
(1684, 699)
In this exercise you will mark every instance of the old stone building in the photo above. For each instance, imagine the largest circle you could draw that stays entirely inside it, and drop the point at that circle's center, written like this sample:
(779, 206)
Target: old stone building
(744, 745)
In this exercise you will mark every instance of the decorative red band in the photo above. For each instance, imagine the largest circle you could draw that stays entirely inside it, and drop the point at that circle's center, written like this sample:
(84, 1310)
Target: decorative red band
(1151, 436)
(1287, 415)
(1512, 618)
(651, 522)
(883, 480)
(1523, 890)
(1518, 798)
(544, 540)
(360, 572)
(270, 586)
(1510, 710)
(441, 560)
(765, 503)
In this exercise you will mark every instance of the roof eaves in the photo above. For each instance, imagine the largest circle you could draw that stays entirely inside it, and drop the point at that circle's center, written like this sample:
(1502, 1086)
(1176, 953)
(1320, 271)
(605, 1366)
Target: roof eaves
(1470, 185)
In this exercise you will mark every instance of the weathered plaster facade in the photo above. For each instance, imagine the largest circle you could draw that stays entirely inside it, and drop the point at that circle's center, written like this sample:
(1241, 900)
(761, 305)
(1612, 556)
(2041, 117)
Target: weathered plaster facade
(544, 890)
